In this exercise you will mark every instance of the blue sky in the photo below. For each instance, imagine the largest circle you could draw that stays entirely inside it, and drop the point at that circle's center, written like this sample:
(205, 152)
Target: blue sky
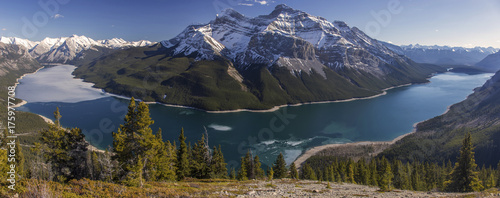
(466, 23)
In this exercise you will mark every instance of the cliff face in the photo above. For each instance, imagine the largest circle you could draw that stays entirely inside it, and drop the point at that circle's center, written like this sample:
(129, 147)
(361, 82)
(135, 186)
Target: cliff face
(15, 60)
(439, 138)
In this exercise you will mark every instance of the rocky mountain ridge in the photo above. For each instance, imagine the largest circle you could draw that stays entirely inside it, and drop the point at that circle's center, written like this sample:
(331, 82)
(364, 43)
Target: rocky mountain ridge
(65, 49)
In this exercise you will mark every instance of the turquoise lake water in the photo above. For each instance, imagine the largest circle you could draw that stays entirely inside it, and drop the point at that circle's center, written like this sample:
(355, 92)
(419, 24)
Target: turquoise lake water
(290, 130)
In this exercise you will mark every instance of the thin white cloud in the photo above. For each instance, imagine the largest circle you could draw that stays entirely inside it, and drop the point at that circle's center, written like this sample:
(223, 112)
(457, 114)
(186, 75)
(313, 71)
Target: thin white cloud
(262, 2)
(437, 30)
(4, 29)
(245, 4)
(57, 16)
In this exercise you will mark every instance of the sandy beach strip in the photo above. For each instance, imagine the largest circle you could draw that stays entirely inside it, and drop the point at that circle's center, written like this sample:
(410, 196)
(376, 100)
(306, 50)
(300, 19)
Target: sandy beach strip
(315, 150)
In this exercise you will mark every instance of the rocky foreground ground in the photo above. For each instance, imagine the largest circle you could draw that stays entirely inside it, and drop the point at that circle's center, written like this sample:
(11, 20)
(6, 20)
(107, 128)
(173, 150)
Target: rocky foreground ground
(291, 188)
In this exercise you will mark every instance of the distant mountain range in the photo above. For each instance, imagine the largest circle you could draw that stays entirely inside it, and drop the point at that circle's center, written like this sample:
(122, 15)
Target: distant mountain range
(15, 60)
(443, 55)
(491, 63)
(236, 62)
(66, 49)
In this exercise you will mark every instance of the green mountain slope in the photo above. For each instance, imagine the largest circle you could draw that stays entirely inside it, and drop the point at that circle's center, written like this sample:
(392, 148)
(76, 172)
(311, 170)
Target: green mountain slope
(439, 138)
(151, 74)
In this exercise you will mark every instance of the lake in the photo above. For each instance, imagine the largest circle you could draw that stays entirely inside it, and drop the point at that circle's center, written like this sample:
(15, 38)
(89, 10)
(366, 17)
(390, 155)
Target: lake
(290, 130)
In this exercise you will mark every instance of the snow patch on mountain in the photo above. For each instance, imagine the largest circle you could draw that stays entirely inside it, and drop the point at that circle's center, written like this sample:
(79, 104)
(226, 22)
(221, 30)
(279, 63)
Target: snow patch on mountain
(285, 37)
(64, 49)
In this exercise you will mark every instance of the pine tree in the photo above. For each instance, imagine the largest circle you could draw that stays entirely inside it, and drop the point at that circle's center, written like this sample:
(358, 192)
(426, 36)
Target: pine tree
(65, 150)
(232, 174)
(218, 165)
(361, 176)
(293, 171)
(96, 166)
(279, 167)
(416, 180)
(464, 177)
(242, 172)
(134, 176)
(401, 180)
(373, 173)
(169, 169)
(308, 173)
(200, 160)
(19, 160)
(249, 165)
(182, 158)
(134, 140)
(385, 175)
(350, 171)
(259, 173)
(270, 174)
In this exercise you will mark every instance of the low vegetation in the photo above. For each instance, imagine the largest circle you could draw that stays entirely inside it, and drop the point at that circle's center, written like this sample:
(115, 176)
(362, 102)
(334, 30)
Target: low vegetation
(142, 164)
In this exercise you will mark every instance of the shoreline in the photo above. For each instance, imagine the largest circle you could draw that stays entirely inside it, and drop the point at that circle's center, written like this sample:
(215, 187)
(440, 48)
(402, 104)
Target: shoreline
(315, 150)
(275, 108)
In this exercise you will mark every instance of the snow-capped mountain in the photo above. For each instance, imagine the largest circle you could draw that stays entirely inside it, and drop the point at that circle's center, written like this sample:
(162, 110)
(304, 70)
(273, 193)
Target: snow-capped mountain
(443, 54)
(235, 62)
(64, 49)
(286, 37)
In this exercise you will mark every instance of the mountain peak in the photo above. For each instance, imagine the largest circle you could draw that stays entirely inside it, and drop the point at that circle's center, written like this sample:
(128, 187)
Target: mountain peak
(283, 8)
(231, 13)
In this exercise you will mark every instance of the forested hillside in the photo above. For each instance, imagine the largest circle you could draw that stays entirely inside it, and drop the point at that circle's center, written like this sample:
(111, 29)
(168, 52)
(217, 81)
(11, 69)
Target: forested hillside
(439, 138)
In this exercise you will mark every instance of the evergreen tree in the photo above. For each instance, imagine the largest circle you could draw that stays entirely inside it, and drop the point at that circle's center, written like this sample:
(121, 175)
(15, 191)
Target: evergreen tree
(464, 177)
(350, 171)
(200, 159)
(373, 173)
(134, 140)
(232, 174)
(270, 174)
(293, 171)
(242, 172)
(279, 167)
(308, 172)
(259, 173)
(134, 177)
(218, 164)
(249, 165)
(399, 175)
(65, 150)
(385, 175)
(95, 166)
(169, 169)
(416, 180)
(361, 176)
(182, 164)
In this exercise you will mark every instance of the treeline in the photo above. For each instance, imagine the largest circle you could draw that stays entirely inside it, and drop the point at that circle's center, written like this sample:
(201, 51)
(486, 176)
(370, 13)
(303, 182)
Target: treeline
(463, 176)
(138, 156)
